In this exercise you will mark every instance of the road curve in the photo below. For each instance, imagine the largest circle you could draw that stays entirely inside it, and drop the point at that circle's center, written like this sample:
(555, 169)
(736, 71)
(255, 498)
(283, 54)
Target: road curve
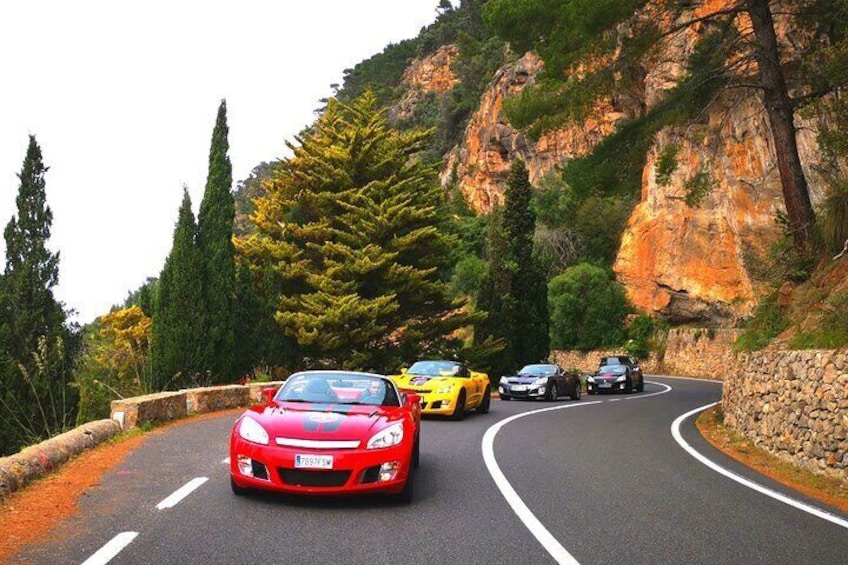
(602, 476)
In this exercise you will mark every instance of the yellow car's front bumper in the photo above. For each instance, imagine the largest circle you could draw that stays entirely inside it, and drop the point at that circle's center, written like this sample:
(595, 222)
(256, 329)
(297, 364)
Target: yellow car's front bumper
(438, 404)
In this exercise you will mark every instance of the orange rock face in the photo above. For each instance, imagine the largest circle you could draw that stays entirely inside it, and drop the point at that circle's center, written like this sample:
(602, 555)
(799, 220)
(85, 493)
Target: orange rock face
(431, 74)
(688, 263)
(481, 164)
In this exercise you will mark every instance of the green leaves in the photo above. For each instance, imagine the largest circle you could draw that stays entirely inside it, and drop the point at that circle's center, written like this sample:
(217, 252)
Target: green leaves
(348, 227)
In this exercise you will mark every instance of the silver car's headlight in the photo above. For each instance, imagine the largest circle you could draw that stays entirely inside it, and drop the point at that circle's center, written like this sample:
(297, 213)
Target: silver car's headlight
(590, 379)
(392, 435)
(621, 379)
(540, 381)
(444, 389)
(251, 430)
(503, 381)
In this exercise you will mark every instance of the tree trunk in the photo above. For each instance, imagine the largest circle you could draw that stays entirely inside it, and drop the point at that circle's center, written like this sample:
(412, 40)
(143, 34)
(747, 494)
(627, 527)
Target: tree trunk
(781, 118)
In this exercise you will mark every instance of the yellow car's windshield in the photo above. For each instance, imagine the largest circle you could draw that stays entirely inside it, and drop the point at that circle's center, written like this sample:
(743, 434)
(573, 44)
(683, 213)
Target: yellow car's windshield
(435, 368)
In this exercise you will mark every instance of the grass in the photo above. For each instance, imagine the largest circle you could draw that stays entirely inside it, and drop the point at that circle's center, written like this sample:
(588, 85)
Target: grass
(831, 491)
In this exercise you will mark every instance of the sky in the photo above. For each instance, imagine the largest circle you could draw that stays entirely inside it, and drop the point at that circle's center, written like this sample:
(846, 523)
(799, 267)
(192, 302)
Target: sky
(122, 98)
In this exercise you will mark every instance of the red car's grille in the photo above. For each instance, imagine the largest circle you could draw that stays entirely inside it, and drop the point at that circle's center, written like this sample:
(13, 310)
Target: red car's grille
(303, 478)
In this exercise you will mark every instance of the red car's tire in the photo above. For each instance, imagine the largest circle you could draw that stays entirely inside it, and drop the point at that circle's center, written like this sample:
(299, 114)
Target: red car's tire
(405, 496)
(237, 490)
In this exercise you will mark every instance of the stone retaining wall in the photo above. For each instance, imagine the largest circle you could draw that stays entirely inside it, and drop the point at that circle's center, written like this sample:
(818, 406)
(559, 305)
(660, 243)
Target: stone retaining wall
(587, 362)
(793, 404)
(20, 469)
(699, 352)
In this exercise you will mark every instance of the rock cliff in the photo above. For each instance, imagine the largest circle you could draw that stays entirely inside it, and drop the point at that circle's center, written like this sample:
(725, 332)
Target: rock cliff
(687, 263)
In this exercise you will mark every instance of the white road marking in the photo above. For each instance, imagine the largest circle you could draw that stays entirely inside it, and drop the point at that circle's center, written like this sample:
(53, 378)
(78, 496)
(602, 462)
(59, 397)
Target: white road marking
(675, 431)
(181, 493)
(111, 549)
(548, 541)
(226, 461)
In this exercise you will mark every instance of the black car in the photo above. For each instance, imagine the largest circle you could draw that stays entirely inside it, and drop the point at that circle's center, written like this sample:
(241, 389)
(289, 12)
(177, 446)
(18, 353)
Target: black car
(546, 381)
(615, 378)
(631, 362)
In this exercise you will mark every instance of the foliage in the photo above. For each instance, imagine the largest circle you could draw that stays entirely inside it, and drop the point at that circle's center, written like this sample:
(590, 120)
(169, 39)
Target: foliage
(214, 241)
(177, 355)
(768, 321)
(37, 349)
(666, 164)
(640, 335)
(115, 362)
(143, 296)
(588, 309)
(831, 332)
(348, 228)
(514, 293)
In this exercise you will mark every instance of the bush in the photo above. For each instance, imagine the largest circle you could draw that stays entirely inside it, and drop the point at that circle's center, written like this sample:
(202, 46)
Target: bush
(588, 309)
(767, 323)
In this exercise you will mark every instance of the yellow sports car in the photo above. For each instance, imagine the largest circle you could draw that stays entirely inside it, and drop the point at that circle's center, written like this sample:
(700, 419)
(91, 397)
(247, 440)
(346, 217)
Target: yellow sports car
(447, 388)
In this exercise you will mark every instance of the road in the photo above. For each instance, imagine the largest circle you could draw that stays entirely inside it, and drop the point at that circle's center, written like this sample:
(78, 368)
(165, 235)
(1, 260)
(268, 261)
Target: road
(603, 478)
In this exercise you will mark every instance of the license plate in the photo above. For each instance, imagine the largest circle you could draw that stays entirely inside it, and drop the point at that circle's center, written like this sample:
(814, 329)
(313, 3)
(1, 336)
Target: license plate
(519, 388)
(604, 385)
(313, 461)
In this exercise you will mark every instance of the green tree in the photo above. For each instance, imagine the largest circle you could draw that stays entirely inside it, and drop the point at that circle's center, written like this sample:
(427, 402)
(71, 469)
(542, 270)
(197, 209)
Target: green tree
(36, 347)
(588, 309)
(515, 292)
(215, 242)
(349, 228)
(176, 350)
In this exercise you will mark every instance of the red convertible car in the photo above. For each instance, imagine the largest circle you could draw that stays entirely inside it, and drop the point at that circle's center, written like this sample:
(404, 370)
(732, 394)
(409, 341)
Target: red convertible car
(328, 432)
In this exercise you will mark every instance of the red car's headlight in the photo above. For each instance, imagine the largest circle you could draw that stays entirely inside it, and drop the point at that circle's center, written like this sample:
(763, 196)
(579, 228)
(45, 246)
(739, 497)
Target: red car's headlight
(392, 435)
(251, 430)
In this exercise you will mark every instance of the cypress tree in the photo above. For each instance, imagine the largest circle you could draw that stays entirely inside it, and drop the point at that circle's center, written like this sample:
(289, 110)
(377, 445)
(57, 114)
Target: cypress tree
(348, 226)
(250, 313)
(35, 344)
(529, 285)
(514, 293)
(177, 351)
(215, 241)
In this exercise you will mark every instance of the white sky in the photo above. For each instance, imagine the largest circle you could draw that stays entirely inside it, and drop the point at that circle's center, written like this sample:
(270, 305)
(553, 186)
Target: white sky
(122, 98)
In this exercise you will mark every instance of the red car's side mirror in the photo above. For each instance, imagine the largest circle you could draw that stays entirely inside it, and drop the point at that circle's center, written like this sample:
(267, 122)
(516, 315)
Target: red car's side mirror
(412, 399)
(269, 393)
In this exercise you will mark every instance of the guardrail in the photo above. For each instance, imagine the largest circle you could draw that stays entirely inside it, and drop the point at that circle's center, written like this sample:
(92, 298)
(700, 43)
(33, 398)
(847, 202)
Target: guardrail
(20, 469)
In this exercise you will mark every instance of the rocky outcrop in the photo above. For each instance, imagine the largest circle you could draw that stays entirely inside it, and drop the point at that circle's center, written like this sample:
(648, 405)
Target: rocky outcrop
(690, 264)
(428, 75)
(480, 165)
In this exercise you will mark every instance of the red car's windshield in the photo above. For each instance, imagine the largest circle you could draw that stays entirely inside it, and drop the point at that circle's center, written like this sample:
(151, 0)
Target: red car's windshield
(339, 388)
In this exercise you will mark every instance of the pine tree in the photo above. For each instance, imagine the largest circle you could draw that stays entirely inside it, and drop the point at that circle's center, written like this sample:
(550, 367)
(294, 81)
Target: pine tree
(215, 241)
(177, 350)
(348, 226)
(249, 315)
(35, 345)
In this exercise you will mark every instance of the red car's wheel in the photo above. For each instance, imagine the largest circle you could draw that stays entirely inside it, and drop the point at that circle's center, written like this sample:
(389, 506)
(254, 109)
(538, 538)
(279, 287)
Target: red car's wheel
(405, 496)
(237, 490)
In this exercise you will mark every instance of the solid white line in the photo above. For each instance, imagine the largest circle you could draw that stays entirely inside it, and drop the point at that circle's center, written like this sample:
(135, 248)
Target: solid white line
(548, 541)
(181, 493)
(111, 549)
(675, 431)
(226, 461)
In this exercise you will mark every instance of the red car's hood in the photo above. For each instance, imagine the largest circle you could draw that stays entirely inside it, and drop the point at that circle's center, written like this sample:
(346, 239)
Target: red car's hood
(323, 421)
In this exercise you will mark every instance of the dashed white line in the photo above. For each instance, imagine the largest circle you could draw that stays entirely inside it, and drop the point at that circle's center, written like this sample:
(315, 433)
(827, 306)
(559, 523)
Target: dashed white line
(675, 431)
(111, 549)
(226, 461)
(181, 493)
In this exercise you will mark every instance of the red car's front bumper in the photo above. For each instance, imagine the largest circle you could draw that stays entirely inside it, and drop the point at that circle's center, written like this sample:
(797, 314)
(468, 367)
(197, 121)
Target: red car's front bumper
(355, 471)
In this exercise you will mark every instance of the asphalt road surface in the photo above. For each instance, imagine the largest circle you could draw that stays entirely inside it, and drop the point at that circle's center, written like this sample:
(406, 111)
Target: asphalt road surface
(600, 480)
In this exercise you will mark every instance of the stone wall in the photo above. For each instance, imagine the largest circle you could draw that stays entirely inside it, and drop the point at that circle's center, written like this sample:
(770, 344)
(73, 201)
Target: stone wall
(701, 352)
(793, 404)
(588, 362)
